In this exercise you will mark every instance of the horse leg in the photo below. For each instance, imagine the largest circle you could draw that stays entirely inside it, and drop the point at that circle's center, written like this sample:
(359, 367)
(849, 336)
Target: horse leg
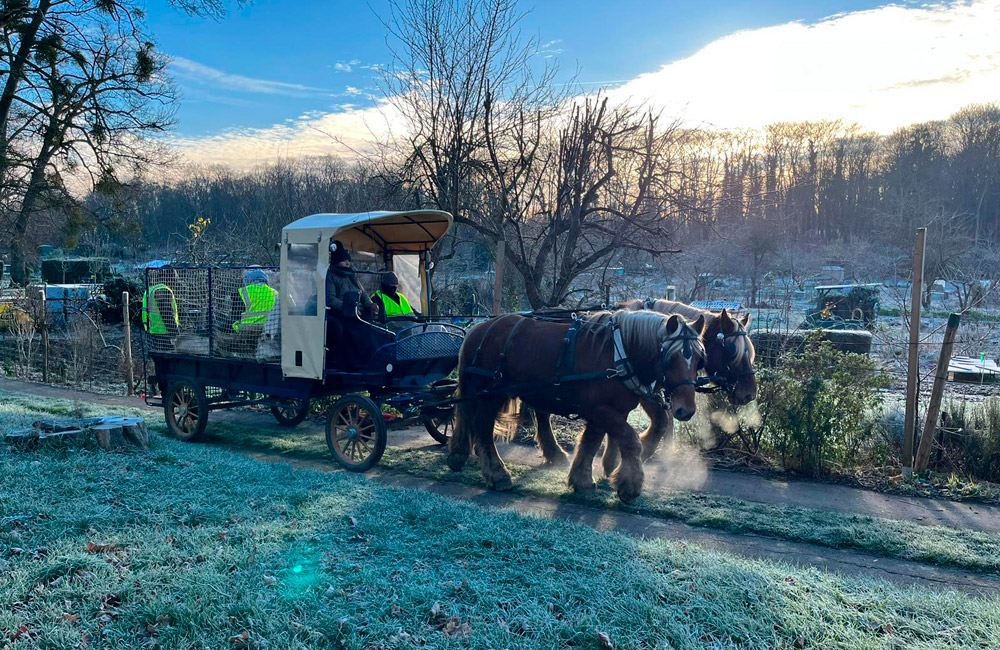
(612, 456)
(661, 425)
(547, 443)
(494, 471)
(628, 476)
(581, 473)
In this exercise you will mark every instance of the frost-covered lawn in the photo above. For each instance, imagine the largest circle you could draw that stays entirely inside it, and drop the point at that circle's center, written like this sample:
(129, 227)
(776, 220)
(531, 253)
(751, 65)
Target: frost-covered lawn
(191, 546)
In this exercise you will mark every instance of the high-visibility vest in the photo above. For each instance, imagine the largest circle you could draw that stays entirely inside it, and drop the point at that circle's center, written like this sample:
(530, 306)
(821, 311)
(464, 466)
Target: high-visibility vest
(258, 301)
(391, 307)
(152, 318)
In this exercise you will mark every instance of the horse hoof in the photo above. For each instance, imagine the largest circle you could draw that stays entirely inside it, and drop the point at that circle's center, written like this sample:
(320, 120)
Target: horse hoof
(501, 484)
(582, 487)
(628, 491)
(457, 461)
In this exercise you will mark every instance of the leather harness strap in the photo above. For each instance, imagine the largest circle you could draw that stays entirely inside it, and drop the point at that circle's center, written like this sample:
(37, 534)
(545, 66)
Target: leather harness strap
(622, 369)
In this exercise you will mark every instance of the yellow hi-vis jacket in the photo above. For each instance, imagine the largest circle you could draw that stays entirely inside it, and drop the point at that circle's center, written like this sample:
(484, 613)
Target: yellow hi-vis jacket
(392, 308)
(152, 317)
(258, 301)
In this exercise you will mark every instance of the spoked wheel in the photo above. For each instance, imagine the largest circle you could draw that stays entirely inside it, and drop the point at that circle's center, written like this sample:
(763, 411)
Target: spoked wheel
(290, 412)
(441, 427)
(186, 409)
(356, 433)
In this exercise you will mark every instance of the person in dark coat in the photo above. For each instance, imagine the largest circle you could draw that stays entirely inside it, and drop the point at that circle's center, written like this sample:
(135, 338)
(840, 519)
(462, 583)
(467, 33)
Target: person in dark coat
(350, 341)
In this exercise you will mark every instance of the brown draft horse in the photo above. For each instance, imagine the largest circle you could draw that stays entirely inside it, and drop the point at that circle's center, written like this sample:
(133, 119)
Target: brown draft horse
(594, 372)
(729, 356)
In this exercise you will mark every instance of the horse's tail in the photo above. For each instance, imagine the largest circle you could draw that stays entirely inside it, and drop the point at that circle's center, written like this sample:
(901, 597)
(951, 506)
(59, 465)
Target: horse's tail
(508, 419)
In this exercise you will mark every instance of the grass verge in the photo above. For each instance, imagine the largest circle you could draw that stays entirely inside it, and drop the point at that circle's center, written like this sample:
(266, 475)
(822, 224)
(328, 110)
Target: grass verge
(967, 549)
(190, 546)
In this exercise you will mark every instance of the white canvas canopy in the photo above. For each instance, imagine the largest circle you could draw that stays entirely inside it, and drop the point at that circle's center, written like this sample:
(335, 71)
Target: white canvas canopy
(305, 246)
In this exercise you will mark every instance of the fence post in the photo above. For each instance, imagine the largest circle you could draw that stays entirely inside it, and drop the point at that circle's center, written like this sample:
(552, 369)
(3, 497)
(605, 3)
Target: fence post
(913, 358)
(45, 338)
(129, 370)
(934, 408)
(498, 279)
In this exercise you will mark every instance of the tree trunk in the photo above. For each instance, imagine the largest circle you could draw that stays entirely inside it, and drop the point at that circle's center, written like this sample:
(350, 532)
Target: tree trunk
(18, 256)
(15, 75)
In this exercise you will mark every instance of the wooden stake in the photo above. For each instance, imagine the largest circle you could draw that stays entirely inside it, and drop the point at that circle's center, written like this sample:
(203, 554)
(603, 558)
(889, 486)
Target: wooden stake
(127, 350)
(913, 358)
(498, 280)
(45, 338)
(934, 408)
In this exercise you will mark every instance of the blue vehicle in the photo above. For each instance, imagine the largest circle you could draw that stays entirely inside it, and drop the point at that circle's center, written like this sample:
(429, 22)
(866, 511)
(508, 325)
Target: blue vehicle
(206, 358)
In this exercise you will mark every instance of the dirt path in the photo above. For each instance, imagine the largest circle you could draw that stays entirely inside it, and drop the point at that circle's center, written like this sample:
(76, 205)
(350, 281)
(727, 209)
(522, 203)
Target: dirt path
(676, 473)
(679, 472)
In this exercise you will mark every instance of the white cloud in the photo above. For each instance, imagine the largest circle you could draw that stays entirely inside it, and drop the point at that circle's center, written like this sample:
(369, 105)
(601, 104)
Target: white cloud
(351, 90)
(340, 66)
(882, 68)
(198, 73)
(346, 132)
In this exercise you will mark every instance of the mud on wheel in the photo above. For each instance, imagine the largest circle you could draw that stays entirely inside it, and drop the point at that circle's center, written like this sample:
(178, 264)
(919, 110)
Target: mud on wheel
(290, 412)
(185, 408)
(356, 433)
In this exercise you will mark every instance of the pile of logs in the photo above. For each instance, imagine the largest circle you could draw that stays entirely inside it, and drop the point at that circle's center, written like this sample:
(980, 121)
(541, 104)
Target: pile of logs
(108, 432)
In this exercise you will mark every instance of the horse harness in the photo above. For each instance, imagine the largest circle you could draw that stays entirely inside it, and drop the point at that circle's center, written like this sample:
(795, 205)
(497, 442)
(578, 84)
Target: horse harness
(622, 368)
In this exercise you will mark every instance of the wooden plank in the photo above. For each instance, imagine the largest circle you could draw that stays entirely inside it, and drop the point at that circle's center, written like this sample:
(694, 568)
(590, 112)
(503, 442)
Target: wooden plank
(934, 408)
(913, 357)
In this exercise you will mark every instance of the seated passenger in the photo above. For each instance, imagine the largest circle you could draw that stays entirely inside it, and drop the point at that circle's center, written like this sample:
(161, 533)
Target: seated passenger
(254, 300)
(389, 301)
(350, 342)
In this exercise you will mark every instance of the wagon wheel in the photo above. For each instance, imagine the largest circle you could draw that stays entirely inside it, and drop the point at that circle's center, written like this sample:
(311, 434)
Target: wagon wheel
(186, 409)
(441, 427)
(356, 433)
(290, 412)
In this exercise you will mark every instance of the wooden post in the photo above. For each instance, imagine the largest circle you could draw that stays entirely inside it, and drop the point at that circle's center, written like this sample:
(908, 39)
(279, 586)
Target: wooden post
(45, 338)
(913, 358)
(127, 351)
(498, 280)
(934, 408)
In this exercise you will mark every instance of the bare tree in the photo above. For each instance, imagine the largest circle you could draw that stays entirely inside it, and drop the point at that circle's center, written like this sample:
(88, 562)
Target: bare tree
(567, 202)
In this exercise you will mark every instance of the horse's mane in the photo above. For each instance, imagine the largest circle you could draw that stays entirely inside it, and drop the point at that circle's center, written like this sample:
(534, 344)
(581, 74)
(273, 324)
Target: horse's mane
(644, 332)
(744, 348)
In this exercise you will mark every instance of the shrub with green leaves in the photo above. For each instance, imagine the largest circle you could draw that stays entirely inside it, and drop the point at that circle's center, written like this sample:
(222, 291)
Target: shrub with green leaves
(817, 405)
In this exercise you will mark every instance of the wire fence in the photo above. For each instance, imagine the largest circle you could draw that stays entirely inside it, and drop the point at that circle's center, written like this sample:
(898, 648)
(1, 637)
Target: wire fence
(62, 337)
(74, 337)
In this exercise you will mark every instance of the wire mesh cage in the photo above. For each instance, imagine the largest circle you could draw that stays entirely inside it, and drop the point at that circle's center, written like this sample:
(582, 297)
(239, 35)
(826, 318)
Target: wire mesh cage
(232, 312)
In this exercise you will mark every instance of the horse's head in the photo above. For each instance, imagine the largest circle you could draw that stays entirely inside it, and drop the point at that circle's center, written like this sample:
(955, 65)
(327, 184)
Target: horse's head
(681, 356)
(729, 356)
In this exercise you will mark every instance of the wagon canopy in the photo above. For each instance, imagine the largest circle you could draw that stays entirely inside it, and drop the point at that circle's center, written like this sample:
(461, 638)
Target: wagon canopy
(413, 231)
(401, 239)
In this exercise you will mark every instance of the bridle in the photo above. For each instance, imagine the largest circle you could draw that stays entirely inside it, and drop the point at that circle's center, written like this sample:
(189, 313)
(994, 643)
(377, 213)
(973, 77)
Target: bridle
(687, 351)
(729, 380)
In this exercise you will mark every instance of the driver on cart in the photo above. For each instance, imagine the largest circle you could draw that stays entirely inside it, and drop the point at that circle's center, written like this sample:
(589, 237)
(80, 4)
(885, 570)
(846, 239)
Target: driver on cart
(389, 302)
(350, 342)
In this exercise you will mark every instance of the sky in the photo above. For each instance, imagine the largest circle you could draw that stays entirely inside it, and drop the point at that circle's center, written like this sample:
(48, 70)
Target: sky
(282, 79)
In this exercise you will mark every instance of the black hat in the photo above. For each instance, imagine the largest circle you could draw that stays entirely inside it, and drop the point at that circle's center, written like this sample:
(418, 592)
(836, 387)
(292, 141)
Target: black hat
(389, 279)
(338, 253)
